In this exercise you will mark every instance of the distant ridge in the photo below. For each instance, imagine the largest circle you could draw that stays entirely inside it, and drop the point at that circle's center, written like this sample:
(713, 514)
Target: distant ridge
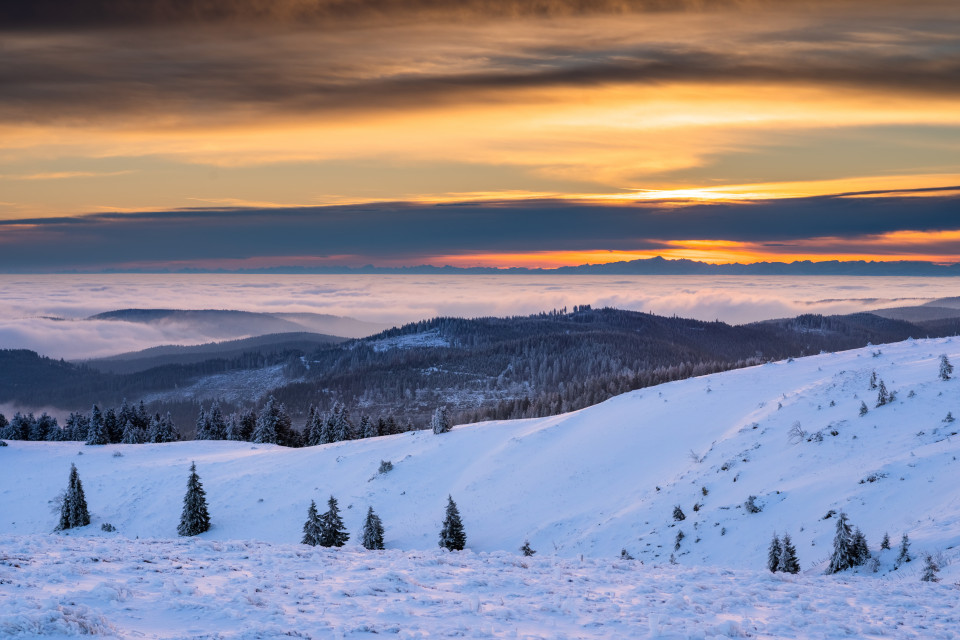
(648, 266)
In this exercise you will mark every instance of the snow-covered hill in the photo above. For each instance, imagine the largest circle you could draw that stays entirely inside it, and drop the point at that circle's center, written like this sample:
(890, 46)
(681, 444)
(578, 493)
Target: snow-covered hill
(587, 483)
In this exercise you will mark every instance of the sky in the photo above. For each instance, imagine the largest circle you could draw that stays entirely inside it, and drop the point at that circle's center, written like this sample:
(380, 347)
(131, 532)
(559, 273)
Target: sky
(142, 134)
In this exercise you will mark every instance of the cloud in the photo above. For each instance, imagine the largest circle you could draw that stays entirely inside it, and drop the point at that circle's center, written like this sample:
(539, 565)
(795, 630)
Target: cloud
(409, 232)
(398, 299)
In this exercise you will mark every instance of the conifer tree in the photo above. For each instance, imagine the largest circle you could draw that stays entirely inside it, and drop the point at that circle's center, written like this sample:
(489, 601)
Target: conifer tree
(342, 427)
(217, 427)
(528, 550)
(843, 553)
(332, 531)
(113, 429)
(194, 519)
(266, 430)
(314, 434)
(452, 536)
(73, 510)
(882, 395)
(945, 367)
(312, 529)
(372, 531)
(863, 408)
(904, 555)
(203, 425)
(440, 423)
(774, 552)
(788, 557)
(861, 551)
(327, 426)
(96, 432)
(131, 434)
(885, 543)
(873, 380)
(368, 428)
(678, 514)
(930, 570)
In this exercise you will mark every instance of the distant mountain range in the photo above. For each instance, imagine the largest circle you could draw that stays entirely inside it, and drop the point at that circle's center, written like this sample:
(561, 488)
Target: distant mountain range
(657, 266)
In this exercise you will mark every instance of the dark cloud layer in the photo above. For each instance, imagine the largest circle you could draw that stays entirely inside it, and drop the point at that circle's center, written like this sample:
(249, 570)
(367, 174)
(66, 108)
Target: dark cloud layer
(194, 75)
(98, 13)
(406, 231)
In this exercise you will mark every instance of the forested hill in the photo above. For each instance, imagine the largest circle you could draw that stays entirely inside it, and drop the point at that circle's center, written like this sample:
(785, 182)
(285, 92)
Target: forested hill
(481, 368)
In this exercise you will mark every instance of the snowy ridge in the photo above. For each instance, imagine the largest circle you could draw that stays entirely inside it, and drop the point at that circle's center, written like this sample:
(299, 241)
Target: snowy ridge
(581, 483)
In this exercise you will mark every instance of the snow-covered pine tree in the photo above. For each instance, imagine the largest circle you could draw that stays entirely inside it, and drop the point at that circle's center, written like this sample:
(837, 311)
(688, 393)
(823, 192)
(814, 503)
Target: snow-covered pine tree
(873, 380)
(788, 556)
(96, 432)
(203, 425)
(73, 510)
(131, 434)
(327, 426)
(528, 551)
(332, 531)
(218, 426)
(440, 423)
(930, 570)
(842, 557)
(904, 555)
(368, 428)
(372, 531)
(194, 519)
(312, 529)
(112, 426)
(678, 514)
(945, 367)
(342, 427)
(885, 543)
(863, 409)
(315, 430)
(774, 552)
(882, 395)
(452, 535)
(861, 550)
(266, 430)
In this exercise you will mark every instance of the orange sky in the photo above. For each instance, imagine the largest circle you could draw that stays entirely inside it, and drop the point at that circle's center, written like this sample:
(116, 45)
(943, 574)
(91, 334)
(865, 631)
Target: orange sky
(597, 102)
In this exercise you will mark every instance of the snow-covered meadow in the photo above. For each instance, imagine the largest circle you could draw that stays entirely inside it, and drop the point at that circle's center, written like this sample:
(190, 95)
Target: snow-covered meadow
(580, 487)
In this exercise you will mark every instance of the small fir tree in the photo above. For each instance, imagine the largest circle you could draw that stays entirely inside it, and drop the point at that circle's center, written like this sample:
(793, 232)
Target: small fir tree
(843, 556)
(930, 570)
(203, 425)
(945, 367)
(788, 557)
(678, 540)
(194, 519)
(372, 531)
(332, 531)
(440, 423)
(885, 543)
(678, 514)
(452, 536)
(73, 510)
(882, 395)
(774, 552)
(873, 380)
(863, 409)
(217, 427)
(904, 555)
(528, 550)
(312, 528)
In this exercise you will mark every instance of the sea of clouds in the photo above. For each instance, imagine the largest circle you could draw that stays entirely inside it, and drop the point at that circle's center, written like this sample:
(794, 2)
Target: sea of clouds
(49, 314)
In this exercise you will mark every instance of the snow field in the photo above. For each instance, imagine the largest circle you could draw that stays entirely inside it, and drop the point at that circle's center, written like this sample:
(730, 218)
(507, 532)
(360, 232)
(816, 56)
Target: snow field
(64, 586)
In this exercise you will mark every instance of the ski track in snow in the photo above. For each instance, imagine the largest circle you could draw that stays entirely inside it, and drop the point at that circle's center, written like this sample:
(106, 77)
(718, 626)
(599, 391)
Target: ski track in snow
(580, 487)
(61, 586)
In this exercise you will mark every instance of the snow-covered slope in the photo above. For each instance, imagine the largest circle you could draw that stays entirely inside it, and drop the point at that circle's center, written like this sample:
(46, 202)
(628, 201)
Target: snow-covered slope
(590, 482)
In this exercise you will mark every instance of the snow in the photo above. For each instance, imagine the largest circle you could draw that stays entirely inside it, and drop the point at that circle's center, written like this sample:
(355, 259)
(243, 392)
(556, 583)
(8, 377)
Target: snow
(580, 486)
(410, 341)
(61, 586)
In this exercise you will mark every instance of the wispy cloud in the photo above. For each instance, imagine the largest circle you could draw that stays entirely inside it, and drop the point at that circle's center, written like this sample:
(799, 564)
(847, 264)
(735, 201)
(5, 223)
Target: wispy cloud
(63, 175)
